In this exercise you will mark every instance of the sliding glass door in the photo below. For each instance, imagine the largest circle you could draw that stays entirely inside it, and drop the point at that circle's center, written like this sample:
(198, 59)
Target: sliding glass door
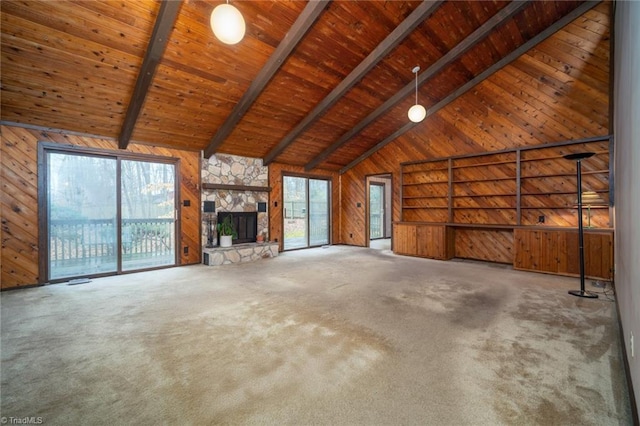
(148, 215)
(318, 212)
(82, 215)
(306, 212)
(107, 214)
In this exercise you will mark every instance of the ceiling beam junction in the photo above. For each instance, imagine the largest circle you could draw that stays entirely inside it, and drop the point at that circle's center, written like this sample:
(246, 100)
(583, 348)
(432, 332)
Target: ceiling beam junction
(406, 27)
(167, 16)
(549, 31)
(479, 34)
(303, 24)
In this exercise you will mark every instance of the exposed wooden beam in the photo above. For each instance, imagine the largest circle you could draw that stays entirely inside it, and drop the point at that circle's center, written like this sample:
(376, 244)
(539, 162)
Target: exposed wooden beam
(422, 12)
(164, 24)
(302, 25)
(475, 37)
(556, 26)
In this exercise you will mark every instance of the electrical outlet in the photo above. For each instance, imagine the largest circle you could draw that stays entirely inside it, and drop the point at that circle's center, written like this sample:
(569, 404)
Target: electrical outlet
(633, 352)
(541, 219)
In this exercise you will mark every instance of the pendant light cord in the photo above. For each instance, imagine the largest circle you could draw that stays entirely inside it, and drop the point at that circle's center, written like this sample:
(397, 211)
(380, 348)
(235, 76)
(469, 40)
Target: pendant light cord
(416, 87)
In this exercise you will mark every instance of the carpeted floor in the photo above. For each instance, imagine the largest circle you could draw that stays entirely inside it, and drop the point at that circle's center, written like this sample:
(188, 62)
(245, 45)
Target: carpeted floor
(329, 336)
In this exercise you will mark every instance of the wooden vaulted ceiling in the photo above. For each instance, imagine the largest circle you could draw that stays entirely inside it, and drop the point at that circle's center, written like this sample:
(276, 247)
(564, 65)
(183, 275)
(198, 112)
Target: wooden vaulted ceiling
(317, 84)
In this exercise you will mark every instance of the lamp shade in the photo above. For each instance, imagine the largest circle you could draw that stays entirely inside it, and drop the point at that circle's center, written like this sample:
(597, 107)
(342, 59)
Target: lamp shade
(227, 24)
(592, 198)
(417, 113)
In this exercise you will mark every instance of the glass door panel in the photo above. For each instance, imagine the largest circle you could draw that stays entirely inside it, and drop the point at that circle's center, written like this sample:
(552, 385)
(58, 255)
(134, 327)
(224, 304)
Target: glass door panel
(376, 211)
(295, 212)
(318, 212)
(306, 212)
(148, 215)
(81, 215)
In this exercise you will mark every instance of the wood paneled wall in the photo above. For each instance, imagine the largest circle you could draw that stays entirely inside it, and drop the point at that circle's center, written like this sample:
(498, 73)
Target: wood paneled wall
(557, 91)
(276, 171)
(19, 202)
(493, 245)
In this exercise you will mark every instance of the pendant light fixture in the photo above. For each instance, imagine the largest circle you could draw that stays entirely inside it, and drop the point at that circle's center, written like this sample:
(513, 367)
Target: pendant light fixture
(227, 23)
(417, 113)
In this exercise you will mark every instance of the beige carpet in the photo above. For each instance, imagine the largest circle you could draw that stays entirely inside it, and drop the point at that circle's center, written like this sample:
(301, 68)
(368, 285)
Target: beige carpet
(331, 336)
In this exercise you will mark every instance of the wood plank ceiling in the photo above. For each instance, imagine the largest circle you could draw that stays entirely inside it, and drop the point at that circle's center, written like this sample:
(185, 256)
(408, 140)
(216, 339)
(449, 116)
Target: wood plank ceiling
(318, 84)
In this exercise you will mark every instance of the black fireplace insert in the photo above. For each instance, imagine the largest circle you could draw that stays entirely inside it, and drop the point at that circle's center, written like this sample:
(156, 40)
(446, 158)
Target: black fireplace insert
(245, 224)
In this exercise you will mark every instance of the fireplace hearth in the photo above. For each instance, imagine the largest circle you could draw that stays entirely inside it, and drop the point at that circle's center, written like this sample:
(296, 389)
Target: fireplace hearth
(245, 224)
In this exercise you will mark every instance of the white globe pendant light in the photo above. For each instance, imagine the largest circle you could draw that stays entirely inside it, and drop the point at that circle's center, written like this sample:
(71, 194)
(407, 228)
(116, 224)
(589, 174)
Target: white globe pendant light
(227, 24)
(417, 113)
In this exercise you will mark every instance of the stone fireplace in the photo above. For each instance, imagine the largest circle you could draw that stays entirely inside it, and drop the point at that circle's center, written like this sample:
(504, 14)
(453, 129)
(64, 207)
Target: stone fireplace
(236, 184)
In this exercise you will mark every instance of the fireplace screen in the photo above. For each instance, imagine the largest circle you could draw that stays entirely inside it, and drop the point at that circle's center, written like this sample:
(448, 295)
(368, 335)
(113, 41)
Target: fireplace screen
(245, 224)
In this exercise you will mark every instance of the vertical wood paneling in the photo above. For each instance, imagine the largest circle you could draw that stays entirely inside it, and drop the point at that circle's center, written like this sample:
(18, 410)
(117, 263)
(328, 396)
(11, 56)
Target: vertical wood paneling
(19, 199)
(404, 238)
(557, 251)
(422, 240)
(435, 241)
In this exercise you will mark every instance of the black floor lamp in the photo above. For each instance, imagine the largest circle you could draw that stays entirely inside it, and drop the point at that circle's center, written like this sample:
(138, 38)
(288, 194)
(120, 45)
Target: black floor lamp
(578, 157)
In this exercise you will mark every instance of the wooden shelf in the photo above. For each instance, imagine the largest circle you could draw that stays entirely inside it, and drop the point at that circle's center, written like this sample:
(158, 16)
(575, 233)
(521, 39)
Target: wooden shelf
(491, 163)
(555, 157)
(426, 183)
(227, 187)
(469, 225)
(483, 195)
(524, 194)
(562, 207)
(592, 172)
(413, 197)
(484, 208)
(424, 207)
(484, 180)
(502, 226)
(437, 169)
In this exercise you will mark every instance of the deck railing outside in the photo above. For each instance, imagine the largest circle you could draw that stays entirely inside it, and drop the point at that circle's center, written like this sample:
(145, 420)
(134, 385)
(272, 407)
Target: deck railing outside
(93, 238)
(375, 225)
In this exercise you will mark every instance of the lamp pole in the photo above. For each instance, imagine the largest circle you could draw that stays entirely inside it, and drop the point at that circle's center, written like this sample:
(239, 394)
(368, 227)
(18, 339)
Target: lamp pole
(578, 157)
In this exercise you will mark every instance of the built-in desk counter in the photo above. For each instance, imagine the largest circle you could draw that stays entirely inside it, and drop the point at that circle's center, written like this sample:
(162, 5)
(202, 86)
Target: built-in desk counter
(532, 248)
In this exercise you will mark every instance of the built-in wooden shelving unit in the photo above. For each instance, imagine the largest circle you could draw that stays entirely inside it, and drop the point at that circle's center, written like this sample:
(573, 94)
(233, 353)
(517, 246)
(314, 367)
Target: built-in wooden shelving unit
(501, 206)
(512, 187)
